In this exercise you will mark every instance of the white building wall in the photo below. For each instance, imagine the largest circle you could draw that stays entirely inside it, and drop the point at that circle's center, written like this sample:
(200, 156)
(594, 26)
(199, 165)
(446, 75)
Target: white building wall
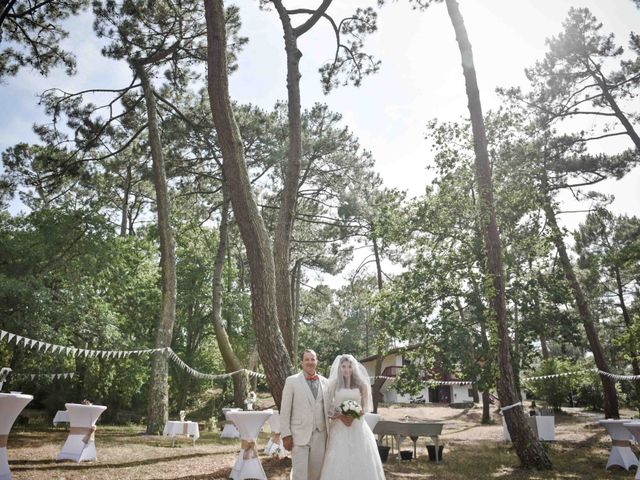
(460, 393)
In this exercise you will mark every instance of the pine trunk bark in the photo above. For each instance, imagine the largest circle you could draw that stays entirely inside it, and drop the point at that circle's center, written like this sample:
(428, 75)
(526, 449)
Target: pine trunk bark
(608, 385)
(158, 403)
(597, 75)
(289, 196)
(628, 323)
(527, 446)
(157, 411)
(271, 347)
(488, 365)
(124, 218)
(231, 361)
(295, 294)
(378, 382)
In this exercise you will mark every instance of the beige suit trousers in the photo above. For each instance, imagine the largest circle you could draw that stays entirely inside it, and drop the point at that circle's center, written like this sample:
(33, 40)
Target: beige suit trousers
(306, 460)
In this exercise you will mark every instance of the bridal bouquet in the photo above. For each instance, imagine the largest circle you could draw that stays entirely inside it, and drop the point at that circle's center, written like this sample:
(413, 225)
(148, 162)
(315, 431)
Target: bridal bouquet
(351, 408)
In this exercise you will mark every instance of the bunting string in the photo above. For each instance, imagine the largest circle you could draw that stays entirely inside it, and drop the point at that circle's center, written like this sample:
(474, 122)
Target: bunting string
(46, 347)
(528, 379)
(556, 375)
(50, 376)
(618, 377)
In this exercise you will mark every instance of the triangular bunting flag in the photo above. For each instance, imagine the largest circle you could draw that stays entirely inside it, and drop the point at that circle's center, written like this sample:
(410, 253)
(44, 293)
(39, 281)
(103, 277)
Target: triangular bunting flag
(11, 335)
(2, 334)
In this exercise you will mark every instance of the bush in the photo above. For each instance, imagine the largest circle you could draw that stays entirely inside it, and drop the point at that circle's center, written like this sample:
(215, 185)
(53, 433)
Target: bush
(554, 390)
(590, 395)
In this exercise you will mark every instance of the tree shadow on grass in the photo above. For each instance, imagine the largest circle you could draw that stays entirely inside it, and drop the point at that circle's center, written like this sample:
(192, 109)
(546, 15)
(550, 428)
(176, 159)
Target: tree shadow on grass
(22, 465)
(272, 466)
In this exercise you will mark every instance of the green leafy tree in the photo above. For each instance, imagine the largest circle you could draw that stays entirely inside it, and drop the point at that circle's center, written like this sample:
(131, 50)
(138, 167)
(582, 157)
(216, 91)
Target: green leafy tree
(31, 32)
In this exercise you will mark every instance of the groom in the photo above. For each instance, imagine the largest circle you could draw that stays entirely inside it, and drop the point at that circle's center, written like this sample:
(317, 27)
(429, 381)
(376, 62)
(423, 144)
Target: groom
(303, 419)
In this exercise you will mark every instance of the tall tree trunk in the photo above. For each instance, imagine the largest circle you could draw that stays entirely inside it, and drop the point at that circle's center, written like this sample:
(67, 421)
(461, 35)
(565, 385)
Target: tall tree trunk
(608, 385)
(158, 403)
(378, 382)
(629, 323)
(487, 367)
(289, 195)
(231, 361)
(541, 333)
(124, 219)
(543, 347)
(295, 294)
(597, 75)
(527, 446)
(286, 215)
(271, 347)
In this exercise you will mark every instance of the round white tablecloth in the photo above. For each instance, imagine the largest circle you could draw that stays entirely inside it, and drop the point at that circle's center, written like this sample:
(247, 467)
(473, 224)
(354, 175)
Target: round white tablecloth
(249, 425)
(229, 430)
(11, 404)
(176, 427)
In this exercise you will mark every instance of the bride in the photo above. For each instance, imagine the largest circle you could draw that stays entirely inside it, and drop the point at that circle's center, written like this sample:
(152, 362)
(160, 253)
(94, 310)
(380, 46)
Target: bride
(352, 453)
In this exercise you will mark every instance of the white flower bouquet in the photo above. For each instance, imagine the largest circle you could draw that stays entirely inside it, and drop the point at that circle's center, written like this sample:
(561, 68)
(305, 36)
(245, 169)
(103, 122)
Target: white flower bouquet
(351, 408)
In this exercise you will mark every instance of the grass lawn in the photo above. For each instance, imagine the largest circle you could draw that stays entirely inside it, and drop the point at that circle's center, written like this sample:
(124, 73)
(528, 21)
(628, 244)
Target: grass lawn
(472, 451)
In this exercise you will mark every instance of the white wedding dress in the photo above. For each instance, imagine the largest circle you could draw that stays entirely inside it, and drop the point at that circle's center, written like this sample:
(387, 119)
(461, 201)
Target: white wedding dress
(352, 452)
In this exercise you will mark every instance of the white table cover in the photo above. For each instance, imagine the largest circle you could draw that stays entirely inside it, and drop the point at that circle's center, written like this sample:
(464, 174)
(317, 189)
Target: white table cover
(621, 453)
(372, 419)
(634, 428)
(62, 416)
(80, 445)
(542, 425)
(177, 427)
(249, 425)
(229, 430)
(275, 446)
(11, 404)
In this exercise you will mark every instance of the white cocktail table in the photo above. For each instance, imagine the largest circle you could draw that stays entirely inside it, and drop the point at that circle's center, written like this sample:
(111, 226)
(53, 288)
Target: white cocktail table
(229, 430)
(275, 445)
(80, 445)
(11, 404)
(543, 427)
(621, 454)
(177, 427)
(634, 428)
(372, 419)
(62, 416)
(248, 465)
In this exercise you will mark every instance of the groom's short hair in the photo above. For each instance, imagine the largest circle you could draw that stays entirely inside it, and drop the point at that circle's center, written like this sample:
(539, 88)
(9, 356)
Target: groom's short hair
(308, 350)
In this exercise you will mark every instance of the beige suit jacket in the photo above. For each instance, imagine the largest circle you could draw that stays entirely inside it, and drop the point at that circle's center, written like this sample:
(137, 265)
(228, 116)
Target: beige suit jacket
(296, 409)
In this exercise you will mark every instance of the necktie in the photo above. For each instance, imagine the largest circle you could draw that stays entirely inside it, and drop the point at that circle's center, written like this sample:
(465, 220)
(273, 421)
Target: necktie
(312, 381)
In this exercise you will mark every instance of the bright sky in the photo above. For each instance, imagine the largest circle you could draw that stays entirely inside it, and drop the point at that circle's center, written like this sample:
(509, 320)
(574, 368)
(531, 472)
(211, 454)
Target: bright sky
(420, 77)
